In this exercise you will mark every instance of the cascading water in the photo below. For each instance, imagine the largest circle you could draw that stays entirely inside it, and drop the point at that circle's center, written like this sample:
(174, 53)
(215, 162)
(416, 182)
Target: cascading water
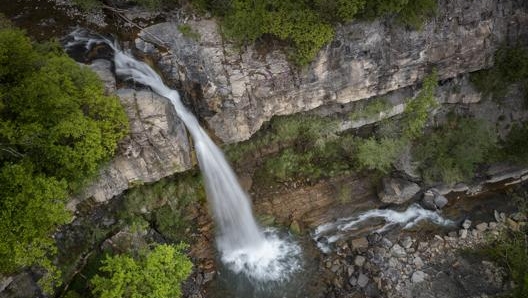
(329, 233)
(262, 256)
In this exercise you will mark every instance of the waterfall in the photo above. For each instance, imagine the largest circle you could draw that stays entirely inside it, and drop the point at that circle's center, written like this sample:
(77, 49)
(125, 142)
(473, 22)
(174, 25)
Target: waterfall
(243, 246)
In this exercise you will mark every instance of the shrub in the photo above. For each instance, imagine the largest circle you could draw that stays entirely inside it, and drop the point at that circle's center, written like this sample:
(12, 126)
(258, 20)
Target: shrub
(188, 31)
(379, 155)
(515, 144)
(511, 66)
(370, 109)
(155, 273)
(417, 110)
(412, 13)
(450, 153)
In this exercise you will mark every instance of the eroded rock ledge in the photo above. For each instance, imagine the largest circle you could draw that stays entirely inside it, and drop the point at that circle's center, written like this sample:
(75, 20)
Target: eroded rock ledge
(239, 90)
(157, 145)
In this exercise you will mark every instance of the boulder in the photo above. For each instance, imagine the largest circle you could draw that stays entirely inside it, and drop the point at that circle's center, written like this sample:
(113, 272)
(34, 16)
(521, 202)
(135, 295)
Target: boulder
(466, 224)
(397, 190)
(359, 261)
(359, 243)
(428, 200)
(362, 280)
(418, 276)
(440, 201)
(397, 251)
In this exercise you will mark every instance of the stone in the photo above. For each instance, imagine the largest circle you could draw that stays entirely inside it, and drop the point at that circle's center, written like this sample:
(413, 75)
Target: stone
(374, 238)
(4, 282)
(350, 270)
(440, 201)
(418, 263)
(428, 200)
(362, 280)
(352, 281)
(267, 220)
(386, 243)
(397, 190)
(466, 224)
(481, 227)
(397, 251)
(359, 261)
(497, 216)
(512, 224)
(335, 268)
(406, 242)
(463, 233)
(492, 225)
(359, 243)
(418, 276)
(460, 187)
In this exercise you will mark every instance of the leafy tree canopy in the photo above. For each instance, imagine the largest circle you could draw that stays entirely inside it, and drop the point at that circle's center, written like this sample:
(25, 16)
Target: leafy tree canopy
(157, 273)
(56, 127)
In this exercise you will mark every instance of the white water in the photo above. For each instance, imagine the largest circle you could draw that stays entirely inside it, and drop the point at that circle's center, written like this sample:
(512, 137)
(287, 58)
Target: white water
(332, 232)
(243, 246)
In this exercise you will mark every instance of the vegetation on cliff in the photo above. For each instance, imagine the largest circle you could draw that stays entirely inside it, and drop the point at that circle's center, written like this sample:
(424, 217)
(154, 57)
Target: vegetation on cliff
(307, 25)
(56, 127)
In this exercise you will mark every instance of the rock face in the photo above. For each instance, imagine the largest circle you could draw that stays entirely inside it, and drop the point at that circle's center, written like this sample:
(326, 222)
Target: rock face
(157, 145)
(397, 191)
(238, 91)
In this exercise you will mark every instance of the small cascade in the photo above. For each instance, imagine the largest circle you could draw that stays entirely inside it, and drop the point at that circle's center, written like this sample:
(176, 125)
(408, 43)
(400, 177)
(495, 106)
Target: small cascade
(327, 234)
(244, 247)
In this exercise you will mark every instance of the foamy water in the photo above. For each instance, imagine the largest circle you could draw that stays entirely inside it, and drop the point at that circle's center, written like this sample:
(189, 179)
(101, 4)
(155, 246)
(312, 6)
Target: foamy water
(244, 247)
(327, 234)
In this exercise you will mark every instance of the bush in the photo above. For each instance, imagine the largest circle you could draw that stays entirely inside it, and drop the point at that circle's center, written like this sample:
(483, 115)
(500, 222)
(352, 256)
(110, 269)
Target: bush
(511, 252)
(156, 273)
(412, 13)
(451, 153)
(417, 110)
(511, 66)
(515, 144)
(56, 127)
(379, 155)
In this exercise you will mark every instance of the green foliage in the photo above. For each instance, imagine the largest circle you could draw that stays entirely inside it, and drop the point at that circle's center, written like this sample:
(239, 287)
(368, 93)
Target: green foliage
(511, 252)
(56, 127)
(380, 154)
(371, 109)
(412, 13)
(31, 207)
(285, 131)
(450, 153)
(157, 273)
(88, 5)
(339, 10)
(54, 113)
(516, 144)
(188, 31)
(417, 110)
(511, 66)
(164, 203)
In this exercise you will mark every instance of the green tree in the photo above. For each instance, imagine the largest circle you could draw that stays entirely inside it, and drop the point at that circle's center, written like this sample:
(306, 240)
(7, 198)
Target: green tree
(451, 153)
(417, 110)
(31, 207)
(56, 127)
(157, 273)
